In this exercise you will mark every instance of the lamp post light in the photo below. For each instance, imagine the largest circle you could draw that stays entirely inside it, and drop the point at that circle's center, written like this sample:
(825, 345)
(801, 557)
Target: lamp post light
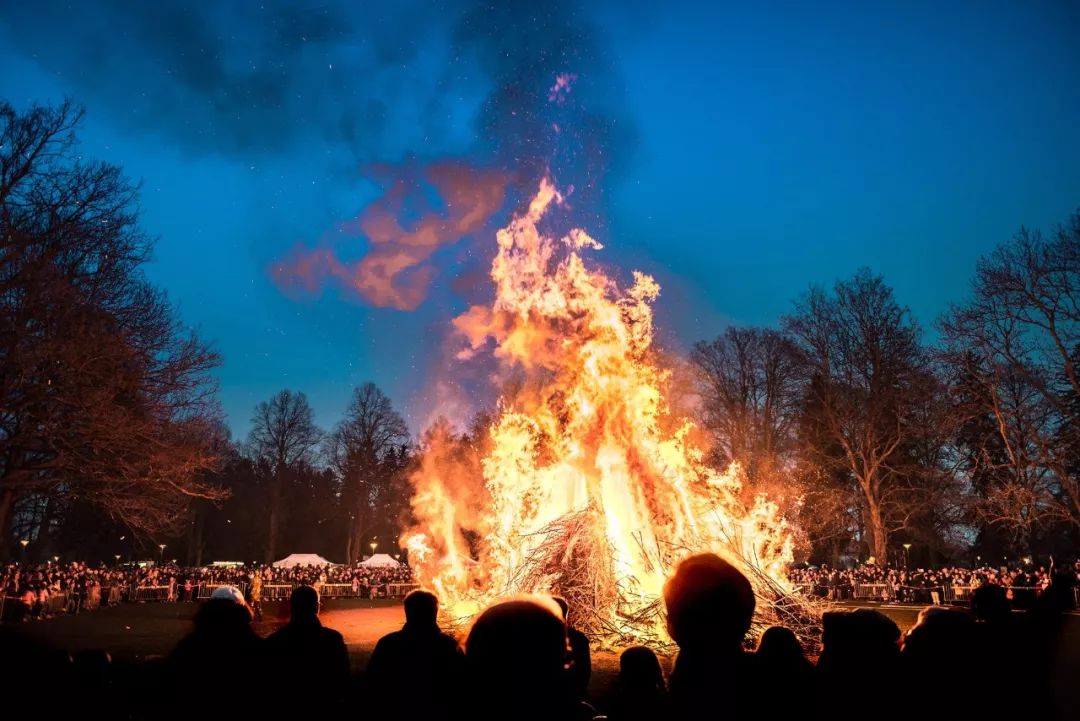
(161, 552)
(24, 542)
(117, 557)
(56, 559)
(374, 545)
(907, 554)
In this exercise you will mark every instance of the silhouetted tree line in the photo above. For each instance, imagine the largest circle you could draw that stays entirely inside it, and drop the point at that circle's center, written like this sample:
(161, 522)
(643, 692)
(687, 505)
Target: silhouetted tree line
(874, 438)
(112, 442)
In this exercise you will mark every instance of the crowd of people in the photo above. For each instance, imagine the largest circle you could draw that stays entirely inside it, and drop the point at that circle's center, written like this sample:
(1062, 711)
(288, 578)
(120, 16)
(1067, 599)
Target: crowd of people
(51, 588)
(1022, 583)
(518, 660)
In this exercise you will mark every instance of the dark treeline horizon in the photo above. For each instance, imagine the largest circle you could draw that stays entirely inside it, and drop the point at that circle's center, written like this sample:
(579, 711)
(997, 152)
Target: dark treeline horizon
(870, 437)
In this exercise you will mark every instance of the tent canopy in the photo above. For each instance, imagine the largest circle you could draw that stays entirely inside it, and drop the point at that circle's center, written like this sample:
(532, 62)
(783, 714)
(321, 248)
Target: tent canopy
(301, 559)
(380, 560)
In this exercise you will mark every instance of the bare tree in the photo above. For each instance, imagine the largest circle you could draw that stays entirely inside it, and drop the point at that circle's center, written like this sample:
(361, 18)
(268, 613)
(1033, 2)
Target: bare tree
(750, 384)
(1016, 344)
(283, 434)
(104, 396)
(367, 452)
(867, 378)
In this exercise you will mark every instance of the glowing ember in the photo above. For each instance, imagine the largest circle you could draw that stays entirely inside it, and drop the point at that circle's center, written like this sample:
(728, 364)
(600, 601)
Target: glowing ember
(588, 486)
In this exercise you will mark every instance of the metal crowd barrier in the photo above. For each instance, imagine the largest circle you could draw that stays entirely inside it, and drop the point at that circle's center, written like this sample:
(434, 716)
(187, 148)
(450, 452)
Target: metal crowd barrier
(875, 591)
(142, 594)
(56, 603)
(338, 590)
(399, 590)
(206, 590)
(276, 592)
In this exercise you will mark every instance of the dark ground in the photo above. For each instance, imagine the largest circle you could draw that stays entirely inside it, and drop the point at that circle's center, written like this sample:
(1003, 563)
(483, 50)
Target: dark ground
(145, 632)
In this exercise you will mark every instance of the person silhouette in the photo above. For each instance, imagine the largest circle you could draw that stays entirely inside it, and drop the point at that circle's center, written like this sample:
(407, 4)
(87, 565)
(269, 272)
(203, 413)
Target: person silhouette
(640, 693)
(222, 648)
(860, 660)
(581, 670)
(779, 657)
(516, 659)
(710, 605)
(308, 660)
(940, 654)
(416, 672)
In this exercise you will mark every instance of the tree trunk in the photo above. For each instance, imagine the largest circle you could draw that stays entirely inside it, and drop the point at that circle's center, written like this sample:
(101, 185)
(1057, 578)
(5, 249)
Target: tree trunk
(359, 524)
(275, 506)
(349, 542)
(7, 499)
(879, 537)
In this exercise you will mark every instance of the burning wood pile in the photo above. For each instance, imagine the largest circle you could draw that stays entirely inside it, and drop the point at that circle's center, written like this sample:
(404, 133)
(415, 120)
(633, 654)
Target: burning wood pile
(589, 486)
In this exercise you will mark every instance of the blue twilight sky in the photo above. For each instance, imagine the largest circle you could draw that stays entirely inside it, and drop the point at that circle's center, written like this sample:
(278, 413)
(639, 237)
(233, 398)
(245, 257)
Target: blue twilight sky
(738, 152)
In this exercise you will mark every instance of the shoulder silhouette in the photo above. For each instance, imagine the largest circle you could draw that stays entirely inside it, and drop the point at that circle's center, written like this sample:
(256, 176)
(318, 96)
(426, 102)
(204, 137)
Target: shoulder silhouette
(415, 673)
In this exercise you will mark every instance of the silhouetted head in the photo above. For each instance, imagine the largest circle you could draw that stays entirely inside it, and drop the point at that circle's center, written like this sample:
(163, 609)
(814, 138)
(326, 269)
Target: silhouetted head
(222, 615)
(304, 603)
(856, 640)
(92, 667)
(517, 651)
(990, 603)
(421, 607)
(710, 604)
(639, 670)
(939, 635)
(779, 646)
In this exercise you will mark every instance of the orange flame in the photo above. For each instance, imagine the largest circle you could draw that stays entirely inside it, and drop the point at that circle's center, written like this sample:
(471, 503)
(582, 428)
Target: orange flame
(588, 427)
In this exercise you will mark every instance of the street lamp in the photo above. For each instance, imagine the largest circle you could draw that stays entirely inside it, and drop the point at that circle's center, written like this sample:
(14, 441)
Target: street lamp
(907, 554)
(56, 559)
(24, 542)
(374, 545)
(117, 557)
(161, 552)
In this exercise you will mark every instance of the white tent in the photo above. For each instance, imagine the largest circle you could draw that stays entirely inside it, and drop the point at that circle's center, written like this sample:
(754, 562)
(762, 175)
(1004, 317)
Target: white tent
(301, 559)
(380, 560)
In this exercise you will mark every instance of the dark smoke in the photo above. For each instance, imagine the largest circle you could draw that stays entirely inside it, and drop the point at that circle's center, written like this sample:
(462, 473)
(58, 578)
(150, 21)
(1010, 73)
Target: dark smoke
(583, 137)
(233, 78)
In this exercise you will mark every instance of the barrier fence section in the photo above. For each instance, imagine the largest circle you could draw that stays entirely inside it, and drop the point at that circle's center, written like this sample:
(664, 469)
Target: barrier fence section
(399, 590)
(142, 594)
(55, 604)
(338, 590)
(276, 592)
(874, 591)
(206, 590)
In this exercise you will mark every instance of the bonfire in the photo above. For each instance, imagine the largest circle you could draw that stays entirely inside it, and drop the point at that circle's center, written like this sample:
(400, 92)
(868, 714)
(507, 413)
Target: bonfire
(591, 487)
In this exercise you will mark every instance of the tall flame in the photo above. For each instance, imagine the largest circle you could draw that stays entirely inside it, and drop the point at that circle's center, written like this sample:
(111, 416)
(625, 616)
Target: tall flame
(587, 478)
